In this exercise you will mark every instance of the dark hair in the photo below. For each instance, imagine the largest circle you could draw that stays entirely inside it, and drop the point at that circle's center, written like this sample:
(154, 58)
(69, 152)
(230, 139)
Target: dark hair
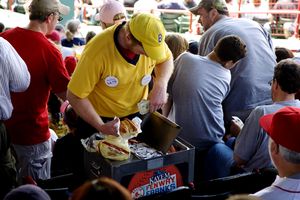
(193, 47)
(101, 188)
(230, 47)
(89, 36)
(287, 75)
(283, 53)
(2, 27)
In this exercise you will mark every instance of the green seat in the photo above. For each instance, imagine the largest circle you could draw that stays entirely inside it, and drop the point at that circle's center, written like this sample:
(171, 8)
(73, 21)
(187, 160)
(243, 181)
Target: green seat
(183, 23)
(168, 20)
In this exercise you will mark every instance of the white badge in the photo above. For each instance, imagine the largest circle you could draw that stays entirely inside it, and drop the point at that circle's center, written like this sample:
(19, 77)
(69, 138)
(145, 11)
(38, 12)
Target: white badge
(146, 79)
(111, 81)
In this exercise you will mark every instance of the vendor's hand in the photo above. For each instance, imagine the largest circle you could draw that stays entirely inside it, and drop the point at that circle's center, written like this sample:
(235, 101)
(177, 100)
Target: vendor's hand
(157, 98)
(111, 127)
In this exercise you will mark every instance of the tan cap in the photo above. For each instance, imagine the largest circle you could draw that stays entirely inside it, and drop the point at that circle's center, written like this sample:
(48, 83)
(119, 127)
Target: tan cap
(47, 6)
(219, 5)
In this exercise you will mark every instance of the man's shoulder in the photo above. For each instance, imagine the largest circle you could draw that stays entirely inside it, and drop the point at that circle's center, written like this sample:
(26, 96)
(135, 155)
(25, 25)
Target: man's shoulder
(265, 109)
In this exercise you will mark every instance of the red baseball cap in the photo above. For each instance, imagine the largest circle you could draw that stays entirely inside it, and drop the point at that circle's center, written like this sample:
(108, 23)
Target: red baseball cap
(283, 127)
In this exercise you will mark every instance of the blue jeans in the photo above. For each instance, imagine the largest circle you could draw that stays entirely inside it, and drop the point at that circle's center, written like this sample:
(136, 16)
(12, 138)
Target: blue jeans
(218, 161)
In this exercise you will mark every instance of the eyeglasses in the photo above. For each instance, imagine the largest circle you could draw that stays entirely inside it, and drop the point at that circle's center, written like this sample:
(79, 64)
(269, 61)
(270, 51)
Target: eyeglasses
(60, 18)
(271, 82)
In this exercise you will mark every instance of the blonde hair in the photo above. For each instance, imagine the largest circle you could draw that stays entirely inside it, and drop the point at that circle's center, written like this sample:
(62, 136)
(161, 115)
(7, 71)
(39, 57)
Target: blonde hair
(69, 35)
(177, 44)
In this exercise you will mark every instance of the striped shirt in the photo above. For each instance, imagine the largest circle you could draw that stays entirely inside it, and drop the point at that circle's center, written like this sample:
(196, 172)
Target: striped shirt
(14, 77)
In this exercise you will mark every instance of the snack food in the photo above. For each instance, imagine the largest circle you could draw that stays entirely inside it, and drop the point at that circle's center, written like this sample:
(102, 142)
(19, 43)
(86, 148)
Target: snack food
(115, 148)
(128, 129)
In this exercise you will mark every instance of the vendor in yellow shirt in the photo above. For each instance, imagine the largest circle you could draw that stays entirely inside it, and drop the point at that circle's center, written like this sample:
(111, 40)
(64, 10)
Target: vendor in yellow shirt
(115, 69)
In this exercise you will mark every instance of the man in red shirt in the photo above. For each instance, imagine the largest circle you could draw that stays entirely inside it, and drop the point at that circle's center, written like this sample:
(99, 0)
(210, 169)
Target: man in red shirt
(28, 126)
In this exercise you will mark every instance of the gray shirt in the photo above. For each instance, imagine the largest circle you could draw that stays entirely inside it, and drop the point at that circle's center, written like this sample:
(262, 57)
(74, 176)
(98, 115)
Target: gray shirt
(249, 81)
(197, 88)
(14, 77)
(252, 142)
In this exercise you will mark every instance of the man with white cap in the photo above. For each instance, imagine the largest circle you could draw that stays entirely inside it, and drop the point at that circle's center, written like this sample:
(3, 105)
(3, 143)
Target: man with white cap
(115, 69)
(112, 12)
(248, 84)
(29, 125)
(284, 149)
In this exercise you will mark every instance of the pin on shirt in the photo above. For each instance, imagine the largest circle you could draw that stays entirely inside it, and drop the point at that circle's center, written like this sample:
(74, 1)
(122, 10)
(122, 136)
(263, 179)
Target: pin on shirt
(111, 81)
(146, 80)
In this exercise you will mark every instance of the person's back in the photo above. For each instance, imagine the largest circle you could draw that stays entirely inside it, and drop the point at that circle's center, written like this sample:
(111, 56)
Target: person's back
(197, 88)
(196, 78)
(249, 87)
(30, 108)
(29, 125)
(251, 146)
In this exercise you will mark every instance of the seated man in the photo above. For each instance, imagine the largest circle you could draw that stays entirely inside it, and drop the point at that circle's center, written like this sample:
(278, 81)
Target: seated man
(283, 129)
(250, 151)
(197, 88)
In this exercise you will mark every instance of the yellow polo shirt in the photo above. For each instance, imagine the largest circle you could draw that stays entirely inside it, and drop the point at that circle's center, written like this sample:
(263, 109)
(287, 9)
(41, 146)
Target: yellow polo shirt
(113, 86)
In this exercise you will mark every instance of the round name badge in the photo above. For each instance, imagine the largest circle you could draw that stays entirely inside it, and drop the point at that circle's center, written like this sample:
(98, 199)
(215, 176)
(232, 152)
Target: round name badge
(146, 79)
(111, 81)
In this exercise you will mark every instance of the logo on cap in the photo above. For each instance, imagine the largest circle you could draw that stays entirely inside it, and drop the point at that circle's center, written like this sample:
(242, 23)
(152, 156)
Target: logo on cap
(159, 37)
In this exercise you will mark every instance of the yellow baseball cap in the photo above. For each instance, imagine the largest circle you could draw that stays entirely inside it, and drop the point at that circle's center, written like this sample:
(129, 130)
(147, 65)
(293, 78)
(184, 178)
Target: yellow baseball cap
(150, 31)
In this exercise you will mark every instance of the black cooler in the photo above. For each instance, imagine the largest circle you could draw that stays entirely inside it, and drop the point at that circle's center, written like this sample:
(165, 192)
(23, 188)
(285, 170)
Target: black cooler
(150, 176)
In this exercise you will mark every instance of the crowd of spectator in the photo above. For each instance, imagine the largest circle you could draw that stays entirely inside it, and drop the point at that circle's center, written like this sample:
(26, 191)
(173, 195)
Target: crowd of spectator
(233, 93)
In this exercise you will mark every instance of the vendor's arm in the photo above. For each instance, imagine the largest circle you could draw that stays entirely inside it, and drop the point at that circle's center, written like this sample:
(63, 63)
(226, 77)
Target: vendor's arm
(86, 111)
(158, 95)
